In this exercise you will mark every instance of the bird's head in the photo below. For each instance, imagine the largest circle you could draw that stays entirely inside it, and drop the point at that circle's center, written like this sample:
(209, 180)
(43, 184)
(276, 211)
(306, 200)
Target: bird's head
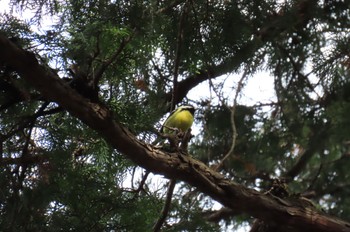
(189, 108)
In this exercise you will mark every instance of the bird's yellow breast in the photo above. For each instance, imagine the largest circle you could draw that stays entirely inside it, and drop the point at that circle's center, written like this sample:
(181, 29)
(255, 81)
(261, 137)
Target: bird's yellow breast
(181, 120)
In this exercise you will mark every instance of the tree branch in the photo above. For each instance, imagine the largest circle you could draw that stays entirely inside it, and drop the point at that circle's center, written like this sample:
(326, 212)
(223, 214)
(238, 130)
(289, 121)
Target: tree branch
(106, 63)
(218, 215)
(229, 65)
(166, 207)
(143, 181)
(233, 124)
(316, 143)
(279, 23)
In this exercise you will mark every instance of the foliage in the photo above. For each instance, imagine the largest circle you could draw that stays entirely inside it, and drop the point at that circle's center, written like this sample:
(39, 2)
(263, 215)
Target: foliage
(134, 57)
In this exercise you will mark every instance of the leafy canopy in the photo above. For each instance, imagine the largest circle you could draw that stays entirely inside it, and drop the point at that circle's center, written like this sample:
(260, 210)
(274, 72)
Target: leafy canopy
(140, 58)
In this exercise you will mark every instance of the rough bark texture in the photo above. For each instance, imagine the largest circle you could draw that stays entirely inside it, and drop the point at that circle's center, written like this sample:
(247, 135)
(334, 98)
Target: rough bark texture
(286, 214)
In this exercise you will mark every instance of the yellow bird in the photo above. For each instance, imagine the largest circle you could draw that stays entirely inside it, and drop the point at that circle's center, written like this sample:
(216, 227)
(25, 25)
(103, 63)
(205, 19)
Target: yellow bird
(181, 118)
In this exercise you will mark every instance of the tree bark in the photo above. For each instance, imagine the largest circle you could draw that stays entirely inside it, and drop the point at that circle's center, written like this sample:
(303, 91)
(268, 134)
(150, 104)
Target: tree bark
(287, 214)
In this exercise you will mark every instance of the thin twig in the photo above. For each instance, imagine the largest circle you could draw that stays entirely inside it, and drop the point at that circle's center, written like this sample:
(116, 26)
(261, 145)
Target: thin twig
(166, 207)
(106, 63)
(159, 71)
(143, 181)
(28, 121)
(233, 124)
(179, 41)
(132, 177)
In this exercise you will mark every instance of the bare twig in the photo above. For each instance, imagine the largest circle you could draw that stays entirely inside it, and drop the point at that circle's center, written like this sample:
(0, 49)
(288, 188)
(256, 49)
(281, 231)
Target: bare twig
(218, 215)
(106, 63)
(166, 207)
(143, 181)
(179, 41)
(158, 69)
(28, 121)
(233, 124)
(132, 176)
